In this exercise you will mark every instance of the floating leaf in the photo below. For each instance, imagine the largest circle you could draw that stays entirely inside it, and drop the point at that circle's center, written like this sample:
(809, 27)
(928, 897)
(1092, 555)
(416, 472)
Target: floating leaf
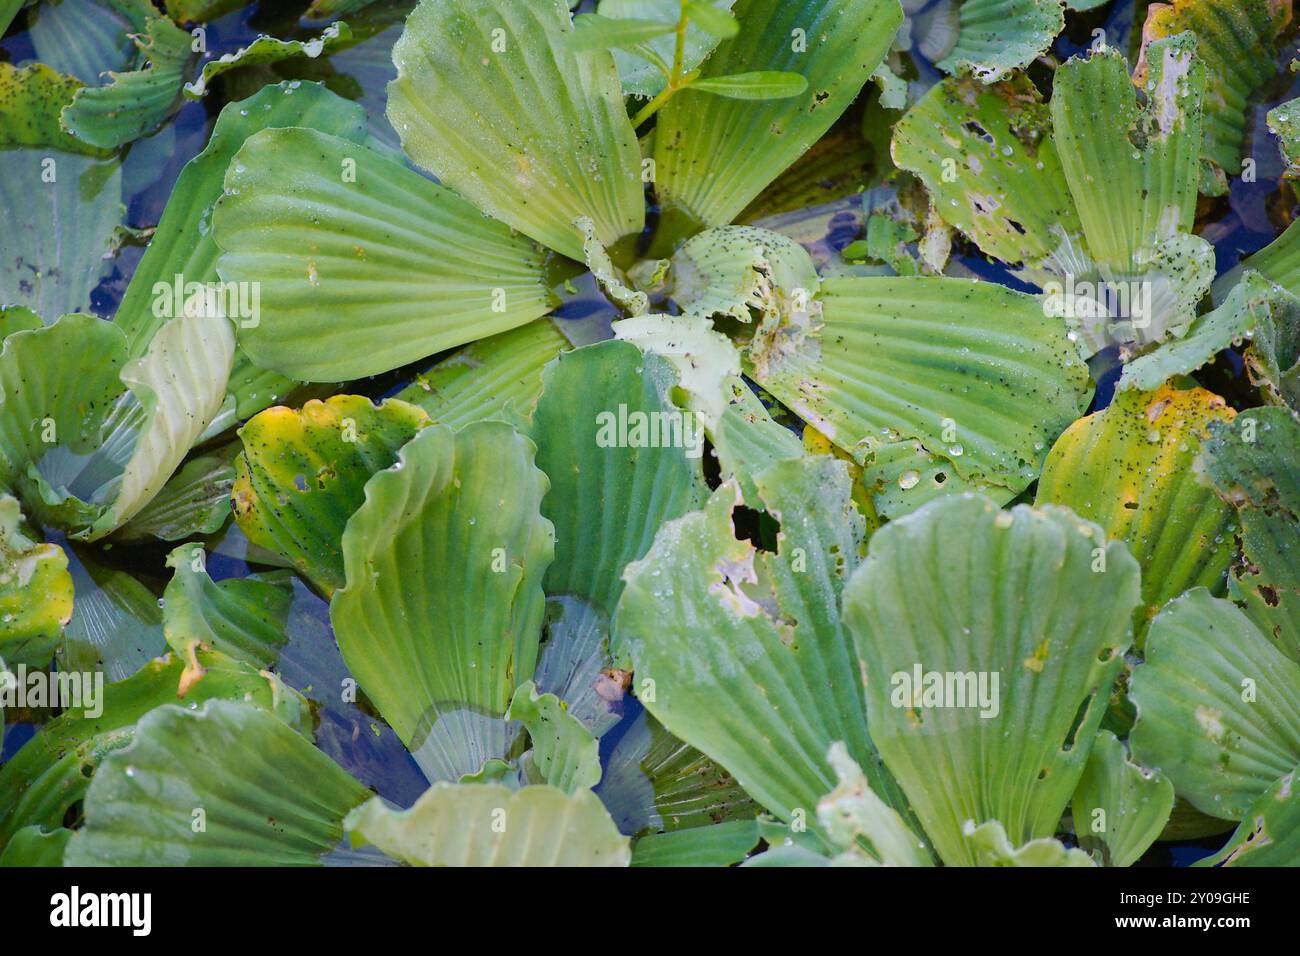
(989, 642)
(302, 474)
(244, 618)
(1270, 833)
(195, 501)
(135, 103)
(1235, 41)
(268, 797)
(411, 268)
(1218, 705)
(974, 371)
(483, 824)
(714, 154)
(604, 430)
(722, 844)
(183, 245)
(496, 377)
(1119, 807)
(266, 50)
(744, 649)
(564, 752)
(998, 36)
(31, 99)
(1129, 468)
(442, 608)
(35, 591)
(47, 779)
(464, 115)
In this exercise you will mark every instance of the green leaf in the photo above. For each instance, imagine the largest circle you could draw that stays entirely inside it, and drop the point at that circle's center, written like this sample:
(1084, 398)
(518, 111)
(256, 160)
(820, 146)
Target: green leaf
(718, 23)
(302, 474)
(57, 384)
(442, 608)
(973, 370)
(36, 846)
(564, 751)
(1119, 807)
(60, 211)
(721, 844)
(592, 31)
(960, 595)
(84, 38)
(640, 75)
(989, 845)
(744, 650)
(998, 36)
(195, 501)
(491, 825)
(35, 591)
(1137, 216)
(864, 827)
(1270, 833)
(496, 377)
(747, 440)
(135, 103)
(265, 50)
(1252, 464)
(1253, 309)
(244, 618)
(1218, 705)
(31, 99)
(760, 85)
(989, 163)
(656, 782)
(268, 797)
(1236, 40)
(714, 154)
(179, 384)
(1284, 123)
(1129, 468)
(183, 243)
(703, 357)
(411, 267)
(611, 487)
(47, 779)
(484, 87)
(200, 11)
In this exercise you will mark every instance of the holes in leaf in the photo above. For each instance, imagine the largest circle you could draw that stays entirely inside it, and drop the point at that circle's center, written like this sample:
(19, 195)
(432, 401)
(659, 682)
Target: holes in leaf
(757, 527)
(1079, 717)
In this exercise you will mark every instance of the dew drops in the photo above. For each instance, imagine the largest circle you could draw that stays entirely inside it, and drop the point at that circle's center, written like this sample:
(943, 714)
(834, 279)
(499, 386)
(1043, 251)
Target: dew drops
(908, 479)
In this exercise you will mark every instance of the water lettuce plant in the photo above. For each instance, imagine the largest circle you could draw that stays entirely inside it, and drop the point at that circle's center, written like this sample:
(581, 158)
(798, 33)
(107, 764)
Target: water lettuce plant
(649, 432)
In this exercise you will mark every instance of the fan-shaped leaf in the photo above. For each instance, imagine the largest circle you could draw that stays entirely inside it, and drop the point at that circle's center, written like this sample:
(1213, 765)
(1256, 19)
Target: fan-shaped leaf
(1119, 808)
(989, 641)
(303, 473)
(713, 154)
(1218, 705)
(604, 429)
(1270, 833)
(413, 268)
(564, 751)
(743, 650)
(442, 609)
(998, 36)
(1129, 468)
(267, 796)
(484, 87)
(483, 824)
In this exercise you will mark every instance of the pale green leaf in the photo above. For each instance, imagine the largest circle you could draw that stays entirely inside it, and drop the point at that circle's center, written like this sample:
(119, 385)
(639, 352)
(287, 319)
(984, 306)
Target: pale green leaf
(989, 641)
(266, 50)
(486, 87)
(998, 36)
(564, 752)
(1119, 807)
